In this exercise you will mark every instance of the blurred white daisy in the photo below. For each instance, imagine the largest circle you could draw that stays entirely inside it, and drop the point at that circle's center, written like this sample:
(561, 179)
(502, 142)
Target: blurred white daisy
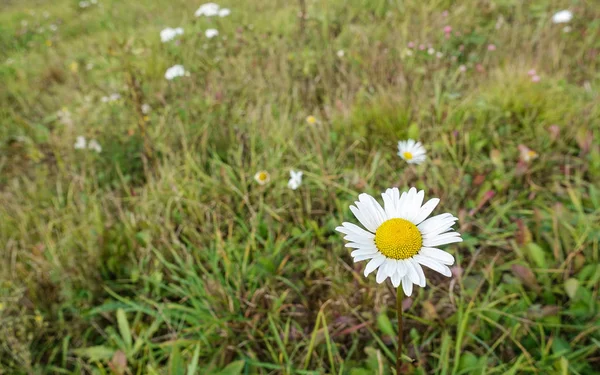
(211, 33)
(411, 151)
(224, 12)
(295, 179)
(168, 34)
(399, 239)
(174, 72)
(146, 108)
(262, 177)
(208, 10)
(94, 145)
(80, 143)
(562, 16)
(340, 53)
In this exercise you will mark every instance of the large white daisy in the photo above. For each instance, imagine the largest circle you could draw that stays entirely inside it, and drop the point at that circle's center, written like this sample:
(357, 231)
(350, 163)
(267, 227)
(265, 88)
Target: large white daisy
(411, 151)
(399, 239)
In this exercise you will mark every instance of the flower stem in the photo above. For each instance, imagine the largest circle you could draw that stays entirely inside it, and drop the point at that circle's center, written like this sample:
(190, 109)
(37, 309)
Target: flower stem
(399, 295)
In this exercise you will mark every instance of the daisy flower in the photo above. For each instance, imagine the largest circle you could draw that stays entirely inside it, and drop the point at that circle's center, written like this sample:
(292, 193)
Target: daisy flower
(411, 151)
(211, 33)
(208, 10)
(526, 154)
(80, 143)
(224, 12)
(311, 120)
(562, 17)
(399, 239)
(168, 34)
(295, 179)
(262, 177)
(94, 145)
(174, 72)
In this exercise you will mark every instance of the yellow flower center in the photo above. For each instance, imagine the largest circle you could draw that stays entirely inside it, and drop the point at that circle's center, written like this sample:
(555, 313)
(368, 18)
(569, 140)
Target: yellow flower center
(532, 154)
(262, 176)
(311, 120)
(407, 155)
(398, 239)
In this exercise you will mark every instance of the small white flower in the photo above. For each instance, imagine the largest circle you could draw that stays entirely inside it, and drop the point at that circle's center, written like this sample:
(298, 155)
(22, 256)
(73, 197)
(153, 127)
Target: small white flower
(439, 55)
(340, 53)
(262, 177)
(84, 4)
(430, 51)
(146, 108)
(567, 29)
(411, 151)
(208, 10)
(562, 16)
(89, 66)
(210, 33)
(94, 145)
(224, 12)
(399, 238)
(169, 34)
(295, 179)
(114, 97)
(80, 143)
(174, 72)
(53, 27)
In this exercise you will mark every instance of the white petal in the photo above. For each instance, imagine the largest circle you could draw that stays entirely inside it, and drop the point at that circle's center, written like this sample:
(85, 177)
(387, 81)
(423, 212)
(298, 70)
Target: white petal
(422, 281)
(401, 268)
(374, 263)
(358, 252)
(437, 254)
(433, 264)
(369, 212)
(396, 279)
(360, 258)
(349, 228)
(359, 239)
(413, 210)
(407, 285)
(426, 210)
(442, 239)
(434, 223)
(382, 273)
(411, 272)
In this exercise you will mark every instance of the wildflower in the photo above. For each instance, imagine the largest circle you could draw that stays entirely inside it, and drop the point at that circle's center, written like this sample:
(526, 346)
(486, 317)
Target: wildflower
(439, 55)
(146, 108)
(210, 33)
(447, 31)
(430, 51)
(89, 66)
(411, 151)
(526, 154)
(94, 145)
(174, 72)
(80, 143)
(399, 239)
(53, 27)
(421, 47)
(562, 17)
(224, 12)
(491, 47)
(531, 72)
(295, 179)
(208, 10)
(535, 78)
(84, 4)
(74, 67)
(411, 45)
(462, 68)
(111, 98)
(169, 34)
(340, 53)
(567, 29)
(262, 177)
(311, 120)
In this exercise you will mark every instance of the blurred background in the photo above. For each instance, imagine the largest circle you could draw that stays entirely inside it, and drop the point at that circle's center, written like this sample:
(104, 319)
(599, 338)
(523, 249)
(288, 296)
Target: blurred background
(134, 238)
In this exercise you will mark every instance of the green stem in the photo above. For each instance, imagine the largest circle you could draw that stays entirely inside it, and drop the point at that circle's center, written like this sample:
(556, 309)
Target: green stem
(399, 295)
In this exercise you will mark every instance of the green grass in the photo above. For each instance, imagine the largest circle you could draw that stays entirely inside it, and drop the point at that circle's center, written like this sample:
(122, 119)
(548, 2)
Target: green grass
(161, 255)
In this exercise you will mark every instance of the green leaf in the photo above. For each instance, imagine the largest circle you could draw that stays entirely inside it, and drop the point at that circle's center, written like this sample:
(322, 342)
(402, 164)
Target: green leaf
(384, 324)
(96, 353)
(191, 370)
(124, 328)
(176, 362)
(571, 286)
(234, 368)
(536, 254)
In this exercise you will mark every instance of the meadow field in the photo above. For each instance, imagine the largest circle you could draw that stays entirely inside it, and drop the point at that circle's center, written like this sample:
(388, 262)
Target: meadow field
(135, 239)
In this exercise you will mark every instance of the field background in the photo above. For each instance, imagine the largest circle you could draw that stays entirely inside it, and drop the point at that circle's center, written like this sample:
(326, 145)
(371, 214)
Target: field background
(161, 255)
